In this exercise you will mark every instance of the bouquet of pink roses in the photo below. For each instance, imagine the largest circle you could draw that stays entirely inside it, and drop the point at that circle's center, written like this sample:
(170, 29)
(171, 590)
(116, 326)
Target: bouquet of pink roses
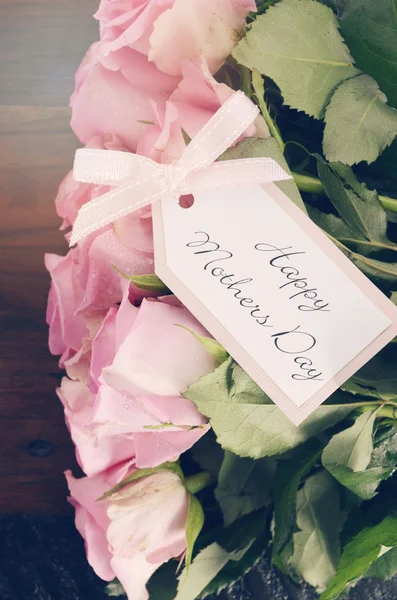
(191, 471)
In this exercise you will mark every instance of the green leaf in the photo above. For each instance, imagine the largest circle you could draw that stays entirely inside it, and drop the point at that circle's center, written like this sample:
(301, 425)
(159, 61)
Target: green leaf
(351, 448)
(332, 4)
(139, 473)
(382, 174)
(358, 206)
(316, 546)
(212, 346)
(297, 43)
(234, 570)
(208, 454)
(194, 524)
(382, 273)
(115, 589)
(245, 420)
(259, 88)
(149, 283)
(338, 229)
(362, 483)
(237, 535)
(378, 378)
(350, 457)
(186, 138)
(370, 30)
(385, 452)
(360, 553)
(207, 564)
(244, 485)
(163, 583)
(370, 513)
(234, 538)
(359, 124)
(289, 474)
(269, 147)
(385, 567)
(364, 217)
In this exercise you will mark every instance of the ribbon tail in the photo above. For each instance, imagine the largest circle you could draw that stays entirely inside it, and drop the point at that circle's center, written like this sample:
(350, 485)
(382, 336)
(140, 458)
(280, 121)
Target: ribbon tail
(110, 167)
(230, 173)
(114, 205)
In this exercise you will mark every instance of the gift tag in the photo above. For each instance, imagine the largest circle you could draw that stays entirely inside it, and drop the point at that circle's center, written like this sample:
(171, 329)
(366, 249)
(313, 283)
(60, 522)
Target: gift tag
(270, 286)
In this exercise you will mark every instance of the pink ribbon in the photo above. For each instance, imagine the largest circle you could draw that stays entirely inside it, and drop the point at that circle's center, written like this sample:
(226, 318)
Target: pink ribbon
(139, 181)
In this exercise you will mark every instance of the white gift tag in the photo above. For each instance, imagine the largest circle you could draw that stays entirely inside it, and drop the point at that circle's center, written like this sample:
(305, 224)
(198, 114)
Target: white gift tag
(270, 286)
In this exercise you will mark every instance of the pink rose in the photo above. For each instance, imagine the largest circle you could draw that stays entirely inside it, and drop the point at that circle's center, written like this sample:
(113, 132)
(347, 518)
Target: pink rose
(85, 282)
(138, 389)
(119, 534)
(67, 329)
(171, 32)
(113, 95)
(129, 23)
(93, 457)
(192, 104)
(126, 78)
(127, 406)
(147, 528)
(198, 29)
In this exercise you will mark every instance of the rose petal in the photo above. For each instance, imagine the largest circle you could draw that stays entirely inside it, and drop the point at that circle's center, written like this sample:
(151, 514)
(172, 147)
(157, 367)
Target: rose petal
(96, 545)
(154, 448)
(157, 356)
(107, 103)
(131, 530)
(95, 455)
(202, 28)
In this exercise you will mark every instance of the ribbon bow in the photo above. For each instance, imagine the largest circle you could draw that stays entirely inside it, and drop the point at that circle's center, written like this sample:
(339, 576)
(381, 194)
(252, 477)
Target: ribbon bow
(139, 181)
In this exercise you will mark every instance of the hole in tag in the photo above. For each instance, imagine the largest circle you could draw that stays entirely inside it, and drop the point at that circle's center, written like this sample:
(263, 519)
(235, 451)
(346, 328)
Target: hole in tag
(186, 200)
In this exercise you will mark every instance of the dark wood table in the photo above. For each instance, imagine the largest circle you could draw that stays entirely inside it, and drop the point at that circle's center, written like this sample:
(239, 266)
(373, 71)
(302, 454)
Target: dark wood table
(41, 45)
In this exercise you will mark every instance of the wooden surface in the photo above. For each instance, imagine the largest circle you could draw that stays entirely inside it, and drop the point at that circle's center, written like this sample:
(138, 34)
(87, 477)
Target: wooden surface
(41, 45)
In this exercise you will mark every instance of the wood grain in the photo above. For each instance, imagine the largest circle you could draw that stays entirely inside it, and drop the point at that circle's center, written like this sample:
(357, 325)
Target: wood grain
(41, 45)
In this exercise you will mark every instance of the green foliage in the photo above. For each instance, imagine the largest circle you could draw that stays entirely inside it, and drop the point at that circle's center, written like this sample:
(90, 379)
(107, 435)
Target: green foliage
(206, 566)
(277, 45)
(338, 229)
(351, 448)
(244, 485)
(370, 30)
(234, 570)
(358, 206)
(208, 454)
(194, 524)
(289, 474)
(352, 460)
(359, 123)
(249, 531)
(319, 518)
(360, 553)
(378, 378)
(384, 567)
(224, 556)
(245, 420)
(362, 229)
